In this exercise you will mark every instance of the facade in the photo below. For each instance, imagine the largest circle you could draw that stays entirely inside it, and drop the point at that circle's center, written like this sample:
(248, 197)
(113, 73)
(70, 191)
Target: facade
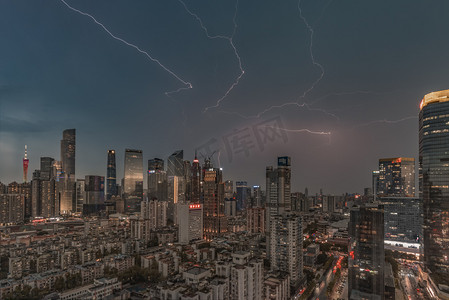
(111, 176)
(434, 180)
(215, 221)
(286, 246)
(175, 164)
(403, 219)
(277, 286)
(157, 180)
(190, 219)
(246, 277)
(80, 194)
(366, 260)
(396, 177)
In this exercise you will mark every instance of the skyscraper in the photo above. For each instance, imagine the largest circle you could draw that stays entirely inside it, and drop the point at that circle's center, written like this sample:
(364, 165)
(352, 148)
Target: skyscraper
(434, 181)
(278, 194)
(215, 221)
(396, 177)
(243, 194)
(133, 177)
(66, 185)
(25, 163)
(94, 194)
(68, 151)
(111, 176)
(196, 181)
(366, 261)
(157, 180)
(286, 245)
(175, 164)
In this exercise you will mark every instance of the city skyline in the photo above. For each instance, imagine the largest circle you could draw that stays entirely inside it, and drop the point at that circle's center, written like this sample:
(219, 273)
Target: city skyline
(79, 76)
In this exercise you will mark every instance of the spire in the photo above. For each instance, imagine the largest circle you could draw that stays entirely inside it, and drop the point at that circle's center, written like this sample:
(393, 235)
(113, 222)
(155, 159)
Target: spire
(25, 163)
(26, 154)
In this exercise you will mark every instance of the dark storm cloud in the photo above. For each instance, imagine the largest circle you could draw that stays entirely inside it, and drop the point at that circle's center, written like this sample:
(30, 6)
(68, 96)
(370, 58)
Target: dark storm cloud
(61, 70)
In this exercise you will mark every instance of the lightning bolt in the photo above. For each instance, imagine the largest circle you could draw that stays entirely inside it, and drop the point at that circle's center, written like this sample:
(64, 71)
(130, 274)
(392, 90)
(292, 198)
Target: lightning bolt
(302, 105)
(314, 62)
(230, 40)
(187, 84)
(385, 121)
(327, 133)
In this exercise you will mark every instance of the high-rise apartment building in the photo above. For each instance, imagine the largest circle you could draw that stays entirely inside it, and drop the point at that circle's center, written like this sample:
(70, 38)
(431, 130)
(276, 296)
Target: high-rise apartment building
(396, 177)
(255, 220)
(11, 208)
(434, 181)
(111, 176)
(278, 195)
(286, 245)
(366, 261)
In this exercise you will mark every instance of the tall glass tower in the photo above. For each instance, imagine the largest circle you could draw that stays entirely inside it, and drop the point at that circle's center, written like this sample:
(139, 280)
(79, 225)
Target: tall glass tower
(66, 186)
(157, 180)
(434, 182)
(68, 151)
(133, 178)
(111, 176)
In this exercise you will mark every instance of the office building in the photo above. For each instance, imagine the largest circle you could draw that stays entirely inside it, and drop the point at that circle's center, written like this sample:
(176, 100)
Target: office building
(190, 219)
(375, 184)
(157, 180)
(285, 244)
(366, 261)
(80, 194)
(257, 196)
(175, 164)
(111, 176)
(68, 151)
(243, 194)
(434, 181)
(403, 219)
(133, 180)
(396, 177)
(195, 181)
(66, 180)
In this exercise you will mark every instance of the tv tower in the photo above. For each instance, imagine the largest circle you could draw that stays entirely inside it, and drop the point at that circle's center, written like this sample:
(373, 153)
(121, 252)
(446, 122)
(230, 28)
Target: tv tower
(25, 165)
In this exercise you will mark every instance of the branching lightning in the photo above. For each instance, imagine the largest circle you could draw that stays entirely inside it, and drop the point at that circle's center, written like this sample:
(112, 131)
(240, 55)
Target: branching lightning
(230, 40)
(187, 84)
(314, 62)
(386, 121)
(326, 133)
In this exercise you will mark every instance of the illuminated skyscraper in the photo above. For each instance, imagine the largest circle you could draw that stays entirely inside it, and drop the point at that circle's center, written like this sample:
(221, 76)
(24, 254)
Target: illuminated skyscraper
(157, 180)
(175, 164)
(215, 221)
(396, 177)
(25, 165)
(434, 181)
(111, 176)
(196, 181)
(366, 261)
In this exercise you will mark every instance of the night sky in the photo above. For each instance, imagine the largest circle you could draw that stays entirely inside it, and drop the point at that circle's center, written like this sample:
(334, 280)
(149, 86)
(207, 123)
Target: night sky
(376, 60)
